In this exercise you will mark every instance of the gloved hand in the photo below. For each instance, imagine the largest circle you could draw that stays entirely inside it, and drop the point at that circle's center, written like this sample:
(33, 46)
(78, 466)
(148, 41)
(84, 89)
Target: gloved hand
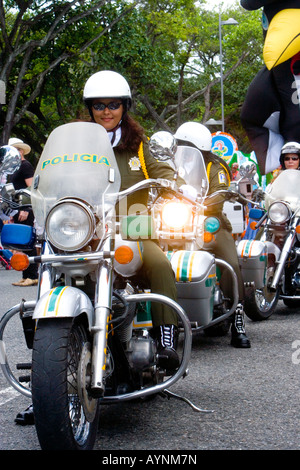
(189, 191)
(258, 195)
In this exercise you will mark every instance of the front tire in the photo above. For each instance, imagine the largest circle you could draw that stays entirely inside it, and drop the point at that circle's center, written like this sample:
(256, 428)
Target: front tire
(60, 417)
(261, 303)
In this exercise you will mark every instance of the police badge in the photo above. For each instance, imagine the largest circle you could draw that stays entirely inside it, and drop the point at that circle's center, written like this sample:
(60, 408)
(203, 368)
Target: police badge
(135, 164)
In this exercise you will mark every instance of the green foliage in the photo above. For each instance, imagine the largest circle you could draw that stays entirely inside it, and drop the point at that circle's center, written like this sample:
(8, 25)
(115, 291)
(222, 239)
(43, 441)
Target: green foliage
(168, 51)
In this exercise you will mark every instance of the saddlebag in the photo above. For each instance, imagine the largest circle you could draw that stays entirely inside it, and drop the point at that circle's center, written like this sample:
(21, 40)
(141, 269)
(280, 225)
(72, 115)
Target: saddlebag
(253, 257)
(195, 275)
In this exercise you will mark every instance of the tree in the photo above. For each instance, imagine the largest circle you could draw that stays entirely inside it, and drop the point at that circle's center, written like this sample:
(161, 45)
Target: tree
(167, 50)
(194, 46)
(38, 36)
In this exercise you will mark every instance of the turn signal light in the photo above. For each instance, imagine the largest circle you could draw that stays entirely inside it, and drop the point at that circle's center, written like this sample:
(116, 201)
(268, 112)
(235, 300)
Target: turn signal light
(19, 261)
(207, 237)
(123, 254)
(298, 229)
(253, 225)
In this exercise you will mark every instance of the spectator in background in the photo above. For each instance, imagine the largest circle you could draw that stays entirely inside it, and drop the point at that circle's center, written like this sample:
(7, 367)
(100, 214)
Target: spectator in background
(235, 171)
(22, 179)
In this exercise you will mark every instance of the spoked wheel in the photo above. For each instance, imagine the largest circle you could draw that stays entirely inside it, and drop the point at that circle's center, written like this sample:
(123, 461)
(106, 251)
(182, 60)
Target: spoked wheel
(66, 416)
(261, 303)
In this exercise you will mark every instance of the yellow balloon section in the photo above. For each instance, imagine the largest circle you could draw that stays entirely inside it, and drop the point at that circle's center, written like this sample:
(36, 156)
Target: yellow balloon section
(283, 37)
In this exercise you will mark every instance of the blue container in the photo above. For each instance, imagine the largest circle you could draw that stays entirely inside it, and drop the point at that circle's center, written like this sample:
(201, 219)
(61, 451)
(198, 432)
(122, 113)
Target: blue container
(18, 236)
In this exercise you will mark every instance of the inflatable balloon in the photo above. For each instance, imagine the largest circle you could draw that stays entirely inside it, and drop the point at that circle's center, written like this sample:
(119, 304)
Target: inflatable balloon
(271, 114)
(224, 145)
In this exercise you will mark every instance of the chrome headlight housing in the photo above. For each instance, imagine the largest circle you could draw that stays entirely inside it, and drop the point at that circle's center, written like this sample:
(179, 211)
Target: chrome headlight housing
(70, 225)
(279, 212)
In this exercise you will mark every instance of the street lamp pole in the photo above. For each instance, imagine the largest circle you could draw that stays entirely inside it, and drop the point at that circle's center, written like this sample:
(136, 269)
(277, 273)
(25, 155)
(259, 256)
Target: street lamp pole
(221, 70)
(230, 21)
(2, 97)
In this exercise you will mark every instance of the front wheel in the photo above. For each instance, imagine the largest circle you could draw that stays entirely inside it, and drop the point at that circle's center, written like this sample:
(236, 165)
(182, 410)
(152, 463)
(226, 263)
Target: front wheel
(66, 417)
(260, 303)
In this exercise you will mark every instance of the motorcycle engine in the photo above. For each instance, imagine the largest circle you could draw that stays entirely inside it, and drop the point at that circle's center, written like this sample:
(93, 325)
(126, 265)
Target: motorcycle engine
(141, 352)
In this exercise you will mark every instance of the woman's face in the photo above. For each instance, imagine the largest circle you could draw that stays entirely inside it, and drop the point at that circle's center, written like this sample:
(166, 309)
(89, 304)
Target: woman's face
(21, 152)
(108, 118)
(291, 161)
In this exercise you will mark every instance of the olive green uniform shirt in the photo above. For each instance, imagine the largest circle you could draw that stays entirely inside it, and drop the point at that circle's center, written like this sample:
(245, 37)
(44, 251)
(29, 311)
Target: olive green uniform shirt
(156, 267)
(223, 245)
(219, 179)
(131, 172)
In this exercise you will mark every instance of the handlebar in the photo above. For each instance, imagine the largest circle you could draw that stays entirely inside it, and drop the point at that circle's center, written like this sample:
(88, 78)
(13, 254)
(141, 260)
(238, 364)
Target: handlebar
(229, 195)
(8, 197)
(159, 183)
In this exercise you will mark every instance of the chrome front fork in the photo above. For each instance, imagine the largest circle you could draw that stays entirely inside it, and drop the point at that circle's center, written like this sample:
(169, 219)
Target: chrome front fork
(103, 305)
(283, 257)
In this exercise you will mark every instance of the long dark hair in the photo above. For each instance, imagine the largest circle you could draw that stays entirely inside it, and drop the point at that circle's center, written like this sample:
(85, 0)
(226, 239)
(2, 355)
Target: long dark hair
(132, 134)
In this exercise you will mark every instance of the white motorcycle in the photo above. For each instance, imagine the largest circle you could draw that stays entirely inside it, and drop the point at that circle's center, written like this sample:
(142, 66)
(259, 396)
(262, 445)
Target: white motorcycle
(90, 328)
(181, 229)
(89, 344)
(271, 265)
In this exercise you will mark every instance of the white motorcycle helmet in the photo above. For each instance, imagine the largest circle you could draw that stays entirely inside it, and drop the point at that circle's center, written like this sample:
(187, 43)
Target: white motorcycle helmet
(289, 147)
(195, 133)
(107, 84)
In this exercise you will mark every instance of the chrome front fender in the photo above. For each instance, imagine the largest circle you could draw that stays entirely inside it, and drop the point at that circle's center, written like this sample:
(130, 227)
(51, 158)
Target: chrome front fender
(273, 249)
(64, 302)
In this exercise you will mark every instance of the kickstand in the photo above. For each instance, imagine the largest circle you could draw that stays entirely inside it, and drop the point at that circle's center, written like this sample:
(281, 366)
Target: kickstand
(168, 394)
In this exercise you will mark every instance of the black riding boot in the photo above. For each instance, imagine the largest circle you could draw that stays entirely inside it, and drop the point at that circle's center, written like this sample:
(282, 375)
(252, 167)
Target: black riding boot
(25, 417)
(168, 357)
(238, 334)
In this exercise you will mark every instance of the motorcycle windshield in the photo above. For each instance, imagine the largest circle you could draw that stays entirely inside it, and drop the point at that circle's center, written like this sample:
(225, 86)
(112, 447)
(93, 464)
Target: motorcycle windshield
(191, 167)
(286, 187)
(77, 161)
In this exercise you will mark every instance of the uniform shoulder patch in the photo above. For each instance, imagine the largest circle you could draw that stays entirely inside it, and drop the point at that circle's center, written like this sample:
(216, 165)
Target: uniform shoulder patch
(222, 177)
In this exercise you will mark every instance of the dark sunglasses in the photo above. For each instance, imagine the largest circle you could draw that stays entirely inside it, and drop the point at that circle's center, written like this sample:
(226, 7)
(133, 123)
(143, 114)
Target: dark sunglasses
(286, 159)
(113, 105)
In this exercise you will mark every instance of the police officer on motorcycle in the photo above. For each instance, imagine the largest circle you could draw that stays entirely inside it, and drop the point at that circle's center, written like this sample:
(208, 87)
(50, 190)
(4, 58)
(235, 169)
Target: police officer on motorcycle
(222, 246)
(107, 96)
(290, 156)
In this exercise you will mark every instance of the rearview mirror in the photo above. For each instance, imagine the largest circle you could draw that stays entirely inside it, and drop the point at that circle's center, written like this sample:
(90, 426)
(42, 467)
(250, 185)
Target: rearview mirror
(10, 159)
(163, 145)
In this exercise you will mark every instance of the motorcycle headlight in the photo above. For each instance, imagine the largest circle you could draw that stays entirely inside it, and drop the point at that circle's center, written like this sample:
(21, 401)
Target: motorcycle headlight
(176, 215)
(70, 225)
(279, 212)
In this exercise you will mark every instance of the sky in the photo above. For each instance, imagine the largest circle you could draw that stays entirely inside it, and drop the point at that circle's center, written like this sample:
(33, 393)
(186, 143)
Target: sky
(225, 3)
